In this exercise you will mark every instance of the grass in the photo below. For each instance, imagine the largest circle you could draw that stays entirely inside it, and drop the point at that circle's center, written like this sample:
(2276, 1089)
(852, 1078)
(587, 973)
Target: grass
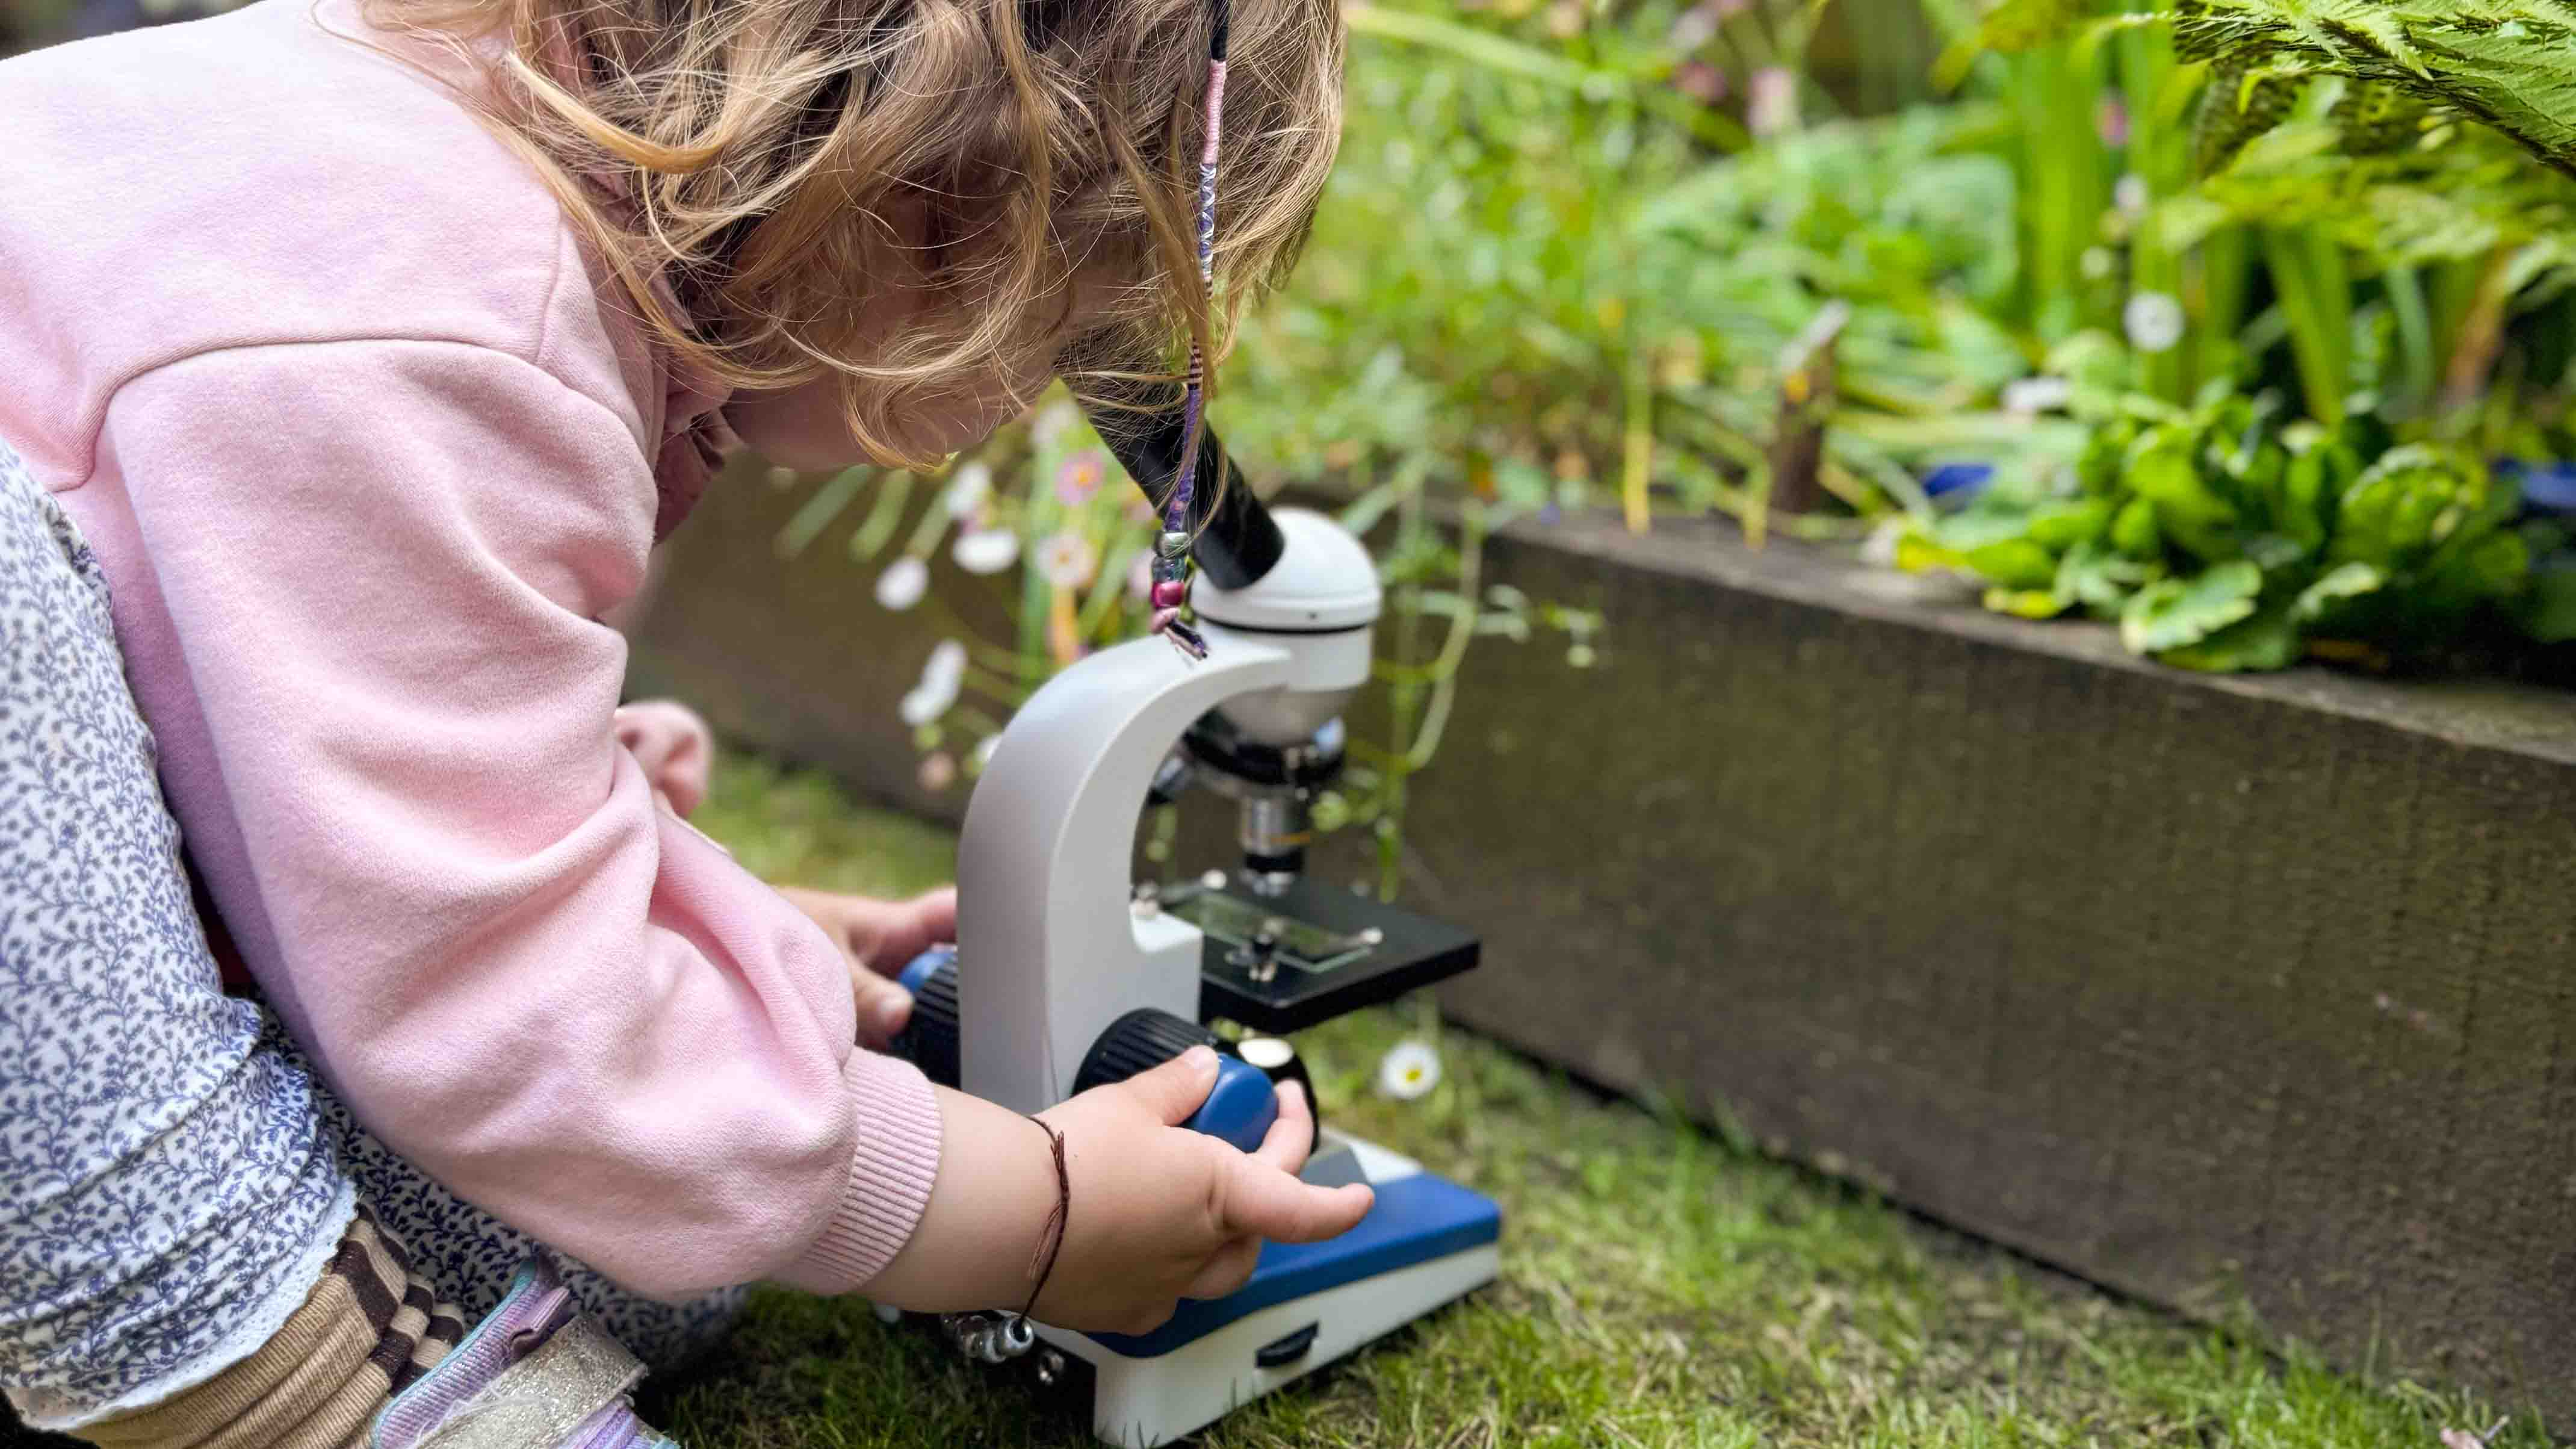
(1661, 1286)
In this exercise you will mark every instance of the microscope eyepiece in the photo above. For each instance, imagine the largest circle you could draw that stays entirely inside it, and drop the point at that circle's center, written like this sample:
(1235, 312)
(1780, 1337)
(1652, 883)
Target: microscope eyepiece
(1148, 432)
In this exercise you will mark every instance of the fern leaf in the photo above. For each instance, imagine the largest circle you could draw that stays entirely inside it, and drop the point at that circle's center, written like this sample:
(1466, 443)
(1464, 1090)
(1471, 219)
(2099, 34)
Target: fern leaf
(2378, 118)
(2508, 63)
(2240, 104)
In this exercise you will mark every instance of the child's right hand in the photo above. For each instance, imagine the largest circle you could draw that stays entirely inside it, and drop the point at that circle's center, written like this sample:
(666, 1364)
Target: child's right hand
(1158, 1213)
(1161, 1212)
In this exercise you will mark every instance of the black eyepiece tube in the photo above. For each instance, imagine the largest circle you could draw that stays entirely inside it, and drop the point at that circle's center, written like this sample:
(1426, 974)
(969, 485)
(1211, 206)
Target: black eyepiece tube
(1237, 539)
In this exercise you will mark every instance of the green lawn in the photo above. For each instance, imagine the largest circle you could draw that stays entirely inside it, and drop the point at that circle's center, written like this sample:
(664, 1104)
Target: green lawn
(1661, 1286)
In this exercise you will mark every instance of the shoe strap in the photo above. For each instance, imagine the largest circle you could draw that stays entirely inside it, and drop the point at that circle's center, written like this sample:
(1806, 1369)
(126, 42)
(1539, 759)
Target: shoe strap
(539, 1401)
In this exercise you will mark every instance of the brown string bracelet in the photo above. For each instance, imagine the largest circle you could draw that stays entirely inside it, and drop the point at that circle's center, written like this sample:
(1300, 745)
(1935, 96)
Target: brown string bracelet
(1051, 1236)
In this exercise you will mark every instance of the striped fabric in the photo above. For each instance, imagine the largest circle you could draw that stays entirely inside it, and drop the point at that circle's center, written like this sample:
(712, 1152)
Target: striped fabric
(412, 1332)
(368, 1329)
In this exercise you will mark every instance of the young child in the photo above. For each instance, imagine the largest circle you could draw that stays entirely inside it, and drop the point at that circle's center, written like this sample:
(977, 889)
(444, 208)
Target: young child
(353, 356)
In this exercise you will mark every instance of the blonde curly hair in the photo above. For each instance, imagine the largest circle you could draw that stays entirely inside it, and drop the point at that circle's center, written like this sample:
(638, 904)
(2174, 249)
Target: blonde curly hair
(781, 163)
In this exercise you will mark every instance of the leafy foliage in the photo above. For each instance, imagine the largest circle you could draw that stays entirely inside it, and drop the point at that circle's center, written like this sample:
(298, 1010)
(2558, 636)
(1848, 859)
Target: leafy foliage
(1043, 519)
(2509, 63)
(2220, 539)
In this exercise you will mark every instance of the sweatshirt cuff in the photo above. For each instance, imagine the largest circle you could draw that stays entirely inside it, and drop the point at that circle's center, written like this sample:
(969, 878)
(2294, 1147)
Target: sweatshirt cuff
(891, 1172)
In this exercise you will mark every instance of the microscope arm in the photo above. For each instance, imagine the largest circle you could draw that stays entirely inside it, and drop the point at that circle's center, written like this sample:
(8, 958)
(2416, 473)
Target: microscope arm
(1053, 952)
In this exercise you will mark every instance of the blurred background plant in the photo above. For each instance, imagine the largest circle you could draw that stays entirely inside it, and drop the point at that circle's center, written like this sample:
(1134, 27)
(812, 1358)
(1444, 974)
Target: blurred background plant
(2347, 330)
(2178, 328)
(2244, 323)
(1043, 519)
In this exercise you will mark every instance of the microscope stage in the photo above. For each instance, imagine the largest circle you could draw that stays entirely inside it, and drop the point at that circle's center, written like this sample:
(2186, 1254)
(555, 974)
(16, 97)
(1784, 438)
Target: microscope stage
(1335, 951)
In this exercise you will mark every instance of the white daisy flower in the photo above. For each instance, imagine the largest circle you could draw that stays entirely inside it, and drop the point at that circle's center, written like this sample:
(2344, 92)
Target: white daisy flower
(1409, 1071)
(1054, 423)
(1696, 27)
(1067, 561)
(941, 679)
(986, 550)
(968, 490)
(947, 664)
(2031, 396)
(903, 583)
(2153, 320)
(924, 705)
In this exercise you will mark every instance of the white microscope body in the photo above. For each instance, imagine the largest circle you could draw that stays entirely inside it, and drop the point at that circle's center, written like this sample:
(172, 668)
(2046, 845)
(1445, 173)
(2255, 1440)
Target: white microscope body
(1056, 944)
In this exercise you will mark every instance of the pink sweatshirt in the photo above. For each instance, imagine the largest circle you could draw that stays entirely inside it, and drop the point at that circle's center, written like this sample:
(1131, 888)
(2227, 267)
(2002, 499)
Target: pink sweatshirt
(316, 363)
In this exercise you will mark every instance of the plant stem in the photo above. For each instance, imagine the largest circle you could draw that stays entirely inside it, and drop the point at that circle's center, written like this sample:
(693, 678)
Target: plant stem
(1637, 459)
(2315, 287)
(1453, 650)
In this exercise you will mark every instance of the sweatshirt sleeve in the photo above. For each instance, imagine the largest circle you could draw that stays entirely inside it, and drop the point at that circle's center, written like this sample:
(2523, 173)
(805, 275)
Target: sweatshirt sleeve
(383, 565)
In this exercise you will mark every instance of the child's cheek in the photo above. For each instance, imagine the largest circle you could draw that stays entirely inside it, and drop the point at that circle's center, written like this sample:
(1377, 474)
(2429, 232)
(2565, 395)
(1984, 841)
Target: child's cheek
(800, 428)
(804, 428)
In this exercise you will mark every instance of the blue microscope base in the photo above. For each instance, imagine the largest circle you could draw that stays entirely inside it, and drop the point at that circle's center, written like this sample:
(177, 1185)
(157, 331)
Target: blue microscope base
(1426, 1242)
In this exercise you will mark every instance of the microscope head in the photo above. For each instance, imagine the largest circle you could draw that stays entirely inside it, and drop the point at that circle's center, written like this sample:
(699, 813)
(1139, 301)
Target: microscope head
(1292, 579)
(1319, 602)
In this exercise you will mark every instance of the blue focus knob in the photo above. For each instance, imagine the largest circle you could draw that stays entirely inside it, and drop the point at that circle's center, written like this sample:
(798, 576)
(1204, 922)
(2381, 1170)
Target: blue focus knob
(917, 975)
(929, 1040)
(1240, 1107)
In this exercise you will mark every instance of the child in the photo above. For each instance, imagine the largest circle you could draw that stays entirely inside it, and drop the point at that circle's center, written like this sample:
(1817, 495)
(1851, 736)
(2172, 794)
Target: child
(361, 350)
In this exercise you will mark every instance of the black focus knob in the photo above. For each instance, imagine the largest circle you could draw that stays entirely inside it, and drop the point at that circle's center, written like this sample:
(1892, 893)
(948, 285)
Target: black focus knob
(1145, 1038)
(929, 1039)
(1140, 1041)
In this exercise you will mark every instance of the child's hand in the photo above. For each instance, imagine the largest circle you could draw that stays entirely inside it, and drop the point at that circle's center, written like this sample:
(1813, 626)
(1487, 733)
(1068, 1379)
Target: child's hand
(1158, 1212)
(880, 938)
(674, 746)
(1161, 1213)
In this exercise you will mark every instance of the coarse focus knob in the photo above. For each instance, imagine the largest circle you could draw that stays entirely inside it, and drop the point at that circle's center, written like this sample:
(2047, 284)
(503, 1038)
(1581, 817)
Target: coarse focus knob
(1240, 1106)
(929, 1039)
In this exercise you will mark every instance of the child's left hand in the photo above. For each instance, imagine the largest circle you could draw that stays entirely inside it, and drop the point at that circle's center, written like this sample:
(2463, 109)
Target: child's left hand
(675, 748)
(880, 938)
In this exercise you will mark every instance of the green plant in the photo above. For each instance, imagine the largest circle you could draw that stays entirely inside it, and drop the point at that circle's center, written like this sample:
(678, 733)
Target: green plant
(2508, 63)
(1512, 290)
(1044, 514)
(2370, 297)
(2222, 539)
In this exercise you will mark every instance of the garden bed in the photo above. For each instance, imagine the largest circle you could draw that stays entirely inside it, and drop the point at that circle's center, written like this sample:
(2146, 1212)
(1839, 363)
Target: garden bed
(2218, 990)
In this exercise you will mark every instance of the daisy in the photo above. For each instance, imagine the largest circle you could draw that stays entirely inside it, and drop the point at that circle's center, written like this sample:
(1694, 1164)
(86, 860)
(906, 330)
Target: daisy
(2153, 321)
(903, 583)
(1054, 424)
(1078, 479)
(986, 550)
(2031, 396)
(1067, 561)
(968, 490)
(1409, 1071)
(941, 678)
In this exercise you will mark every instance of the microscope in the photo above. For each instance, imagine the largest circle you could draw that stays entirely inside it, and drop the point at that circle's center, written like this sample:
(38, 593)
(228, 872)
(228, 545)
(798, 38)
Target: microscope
(1069, 973)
